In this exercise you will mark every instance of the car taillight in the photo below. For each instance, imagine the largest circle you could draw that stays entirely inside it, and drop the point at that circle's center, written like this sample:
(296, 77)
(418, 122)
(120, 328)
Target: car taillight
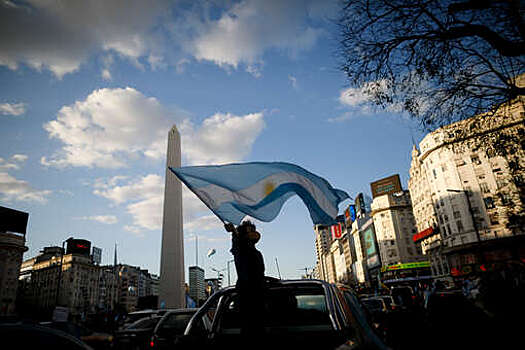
(413, 297)
(152, 343)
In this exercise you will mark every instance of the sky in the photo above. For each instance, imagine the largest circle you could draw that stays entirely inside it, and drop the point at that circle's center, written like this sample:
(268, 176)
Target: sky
(90, 89)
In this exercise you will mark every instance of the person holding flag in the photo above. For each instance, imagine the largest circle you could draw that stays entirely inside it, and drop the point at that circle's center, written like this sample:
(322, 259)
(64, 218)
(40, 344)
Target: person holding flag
(249, 264)
(258, 190)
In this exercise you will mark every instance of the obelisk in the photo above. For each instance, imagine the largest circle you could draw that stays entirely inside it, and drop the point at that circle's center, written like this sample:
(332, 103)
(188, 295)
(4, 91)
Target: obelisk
(171, 293)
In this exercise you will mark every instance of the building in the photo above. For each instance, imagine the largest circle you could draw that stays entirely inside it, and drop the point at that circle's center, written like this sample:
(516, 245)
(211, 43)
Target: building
(13, 225)
(197, 288)
(322, 249)
(395, 226)
(63, 278)
(467, 184)
(12, 248)
(171, 293)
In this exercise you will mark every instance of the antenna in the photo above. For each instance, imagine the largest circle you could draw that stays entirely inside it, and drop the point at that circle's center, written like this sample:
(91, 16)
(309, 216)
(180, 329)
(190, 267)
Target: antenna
(278, 271)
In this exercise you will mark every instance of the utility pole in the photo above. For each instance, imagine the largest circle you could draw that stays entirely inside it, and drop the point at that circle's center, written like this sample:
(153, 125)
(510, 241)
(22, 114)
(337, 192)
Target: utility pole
(278, 271)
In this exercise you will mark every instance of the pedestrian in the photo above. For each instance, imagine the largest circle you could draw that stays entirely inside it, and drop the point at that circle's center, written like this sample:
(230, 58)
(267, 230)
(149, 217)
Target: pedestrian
(249, 264)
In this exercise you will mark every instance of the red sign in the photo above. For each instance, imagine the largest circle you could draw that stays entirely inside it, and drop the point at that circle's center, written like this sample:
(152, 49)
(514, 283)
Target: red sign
(337, 232)
(423, 234)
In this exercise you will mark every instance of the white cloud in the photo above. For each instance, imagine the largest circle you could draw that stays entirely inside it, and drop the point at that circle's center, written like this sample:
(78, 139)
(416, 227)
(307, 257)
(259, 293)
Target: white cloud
(293, 81)
(353, 97)
(61, 38)
(12, 108)
(150, 186)
(143, 198)
(222, 138)
(104, 219)
(13, 163)
(19, 157)
(249, 28)
(204, 223)
(12, 189)
(108, 127)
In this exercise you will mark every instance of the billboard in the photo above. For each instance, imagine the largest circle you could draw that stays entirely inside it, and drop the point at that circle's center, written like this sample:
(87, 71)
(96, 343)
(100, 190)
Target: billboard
(423, 234)
(391, 184)
(360, 204)
(369, 241)
(337, 231)
(13, 220)
(97, 255)
(78, 246)
(411, 265)
(350, 215)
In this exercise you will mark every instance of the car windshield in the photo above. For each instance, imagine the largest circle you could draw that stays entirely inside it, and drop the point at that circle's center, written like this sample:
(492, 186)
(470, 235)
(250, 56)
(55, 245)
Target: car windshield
(144, 323)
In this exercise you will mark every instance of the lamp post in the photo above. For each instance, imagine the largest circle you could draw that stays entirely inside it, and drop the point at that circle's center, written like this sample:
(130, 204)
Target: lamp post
(230, 261)
(60, 270)
(469, 209)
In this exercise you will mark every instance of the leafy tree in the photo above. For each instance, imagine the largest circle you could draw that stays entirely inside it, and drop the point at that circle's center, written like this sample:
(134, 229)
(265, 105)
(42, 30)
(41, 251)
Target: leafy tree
(439, 60)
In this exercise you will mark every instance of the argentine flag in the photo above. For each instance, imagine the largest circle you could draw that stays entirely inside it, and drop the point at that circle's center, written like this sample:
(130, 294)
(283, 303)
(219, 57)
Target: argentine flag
(260, 189)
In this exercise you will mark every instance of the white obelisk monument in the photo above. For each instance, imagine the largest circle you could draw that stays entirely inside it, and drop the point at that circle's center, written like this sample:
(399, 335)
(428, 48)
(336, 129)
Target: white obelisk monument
(172, 292)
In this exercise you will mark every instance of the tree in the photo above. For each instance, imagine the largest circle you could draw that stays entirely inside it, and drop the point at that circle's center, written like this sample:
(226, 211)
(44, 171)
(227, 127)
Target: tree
(439, 60)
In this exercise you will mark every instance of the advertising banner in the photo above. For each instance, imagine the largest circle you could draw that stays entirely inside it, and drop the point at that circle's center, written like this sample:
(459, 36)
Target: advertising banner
(412, 265)
(391, 184)
(369, 240)
(337, 231)
(97, 255)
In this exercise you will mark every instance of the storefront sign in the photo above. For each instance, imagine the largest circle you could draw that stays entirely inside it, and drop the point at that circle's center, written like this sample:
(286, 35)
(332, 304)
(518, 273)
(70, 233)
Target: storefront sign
(412, 265)
(423, 234)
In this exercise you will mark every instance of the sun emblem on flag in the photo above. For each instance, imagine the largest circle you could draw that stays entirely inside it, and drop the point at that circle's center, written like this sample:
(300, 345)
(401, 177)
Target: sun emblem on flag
(268, 188)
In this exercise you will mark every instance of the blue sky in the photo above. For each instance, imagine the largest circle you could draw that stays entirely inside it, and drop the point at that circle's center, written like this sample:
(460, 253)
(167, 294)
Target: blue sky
(89, 91)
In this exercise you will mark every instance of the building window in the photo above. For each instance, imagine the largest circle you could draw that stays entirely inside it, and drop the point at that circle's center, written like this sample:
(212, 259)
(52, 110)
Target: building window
(459, 225)
(475, 160)
(494, 220)
(489, 202)
(434, 173)
(484, 187)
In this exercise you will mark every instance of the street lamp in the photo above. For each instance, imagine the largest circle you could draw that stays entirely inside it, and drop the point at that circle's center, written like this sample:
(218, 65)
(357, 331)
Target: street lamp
(60, 270)
(229, 271)
(469, 209)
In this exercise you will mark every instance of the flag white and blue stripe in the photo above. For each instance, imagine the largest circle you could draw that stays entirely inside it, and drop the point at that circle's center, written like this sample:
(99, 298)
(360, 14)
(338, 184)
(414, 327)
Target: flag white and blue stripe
(260, 189)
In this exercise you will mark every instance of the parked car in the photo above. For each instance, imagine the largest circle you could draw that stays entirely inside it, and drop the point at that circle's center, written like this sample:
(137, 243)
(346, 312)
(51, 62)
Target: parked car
(136, 335)
(299, 314)
(170, 328)
(32, 336)
(96, 340)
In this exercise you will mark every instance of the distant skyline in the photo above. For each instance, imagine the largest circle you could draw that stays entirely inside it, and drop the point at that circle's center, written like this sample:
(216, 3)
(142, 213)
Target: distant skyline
(91, 89)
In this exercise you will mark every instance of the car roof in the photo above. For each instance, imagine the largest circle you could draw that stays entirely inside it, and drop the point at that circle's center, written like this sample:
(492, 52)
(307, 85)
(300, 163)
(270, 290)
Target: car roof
(9, 328)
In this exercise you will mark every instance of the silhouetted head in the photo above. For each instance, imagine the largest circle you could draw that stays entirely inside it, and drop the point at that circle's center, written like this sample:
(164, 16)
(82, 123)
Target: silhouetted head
(247, 231)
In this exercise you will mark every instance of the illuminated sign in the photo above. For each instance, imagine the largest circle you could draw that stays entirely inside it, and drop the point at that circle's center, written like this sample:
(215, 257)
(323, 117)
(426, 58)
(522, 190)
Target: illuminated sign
(337, 231)
(78, 246)
(391, 184)
(412, 265)
(360, 203)
(423, 234)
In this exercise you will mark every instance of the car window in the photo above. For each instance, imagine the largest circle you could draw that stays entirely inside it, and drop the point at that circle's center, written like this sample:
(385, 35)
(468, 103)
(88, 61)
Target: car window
(285, 308)
(176, 322)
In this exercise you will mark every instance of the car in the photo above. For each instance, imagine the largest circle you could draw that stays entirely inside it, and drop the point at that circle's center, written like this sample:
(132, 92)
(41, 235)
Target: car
(136, 335)
(403, 296)
(375, 304)
(97, 340)
(33, 336)
(171, 327)
(302, 314)
(137, 315)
